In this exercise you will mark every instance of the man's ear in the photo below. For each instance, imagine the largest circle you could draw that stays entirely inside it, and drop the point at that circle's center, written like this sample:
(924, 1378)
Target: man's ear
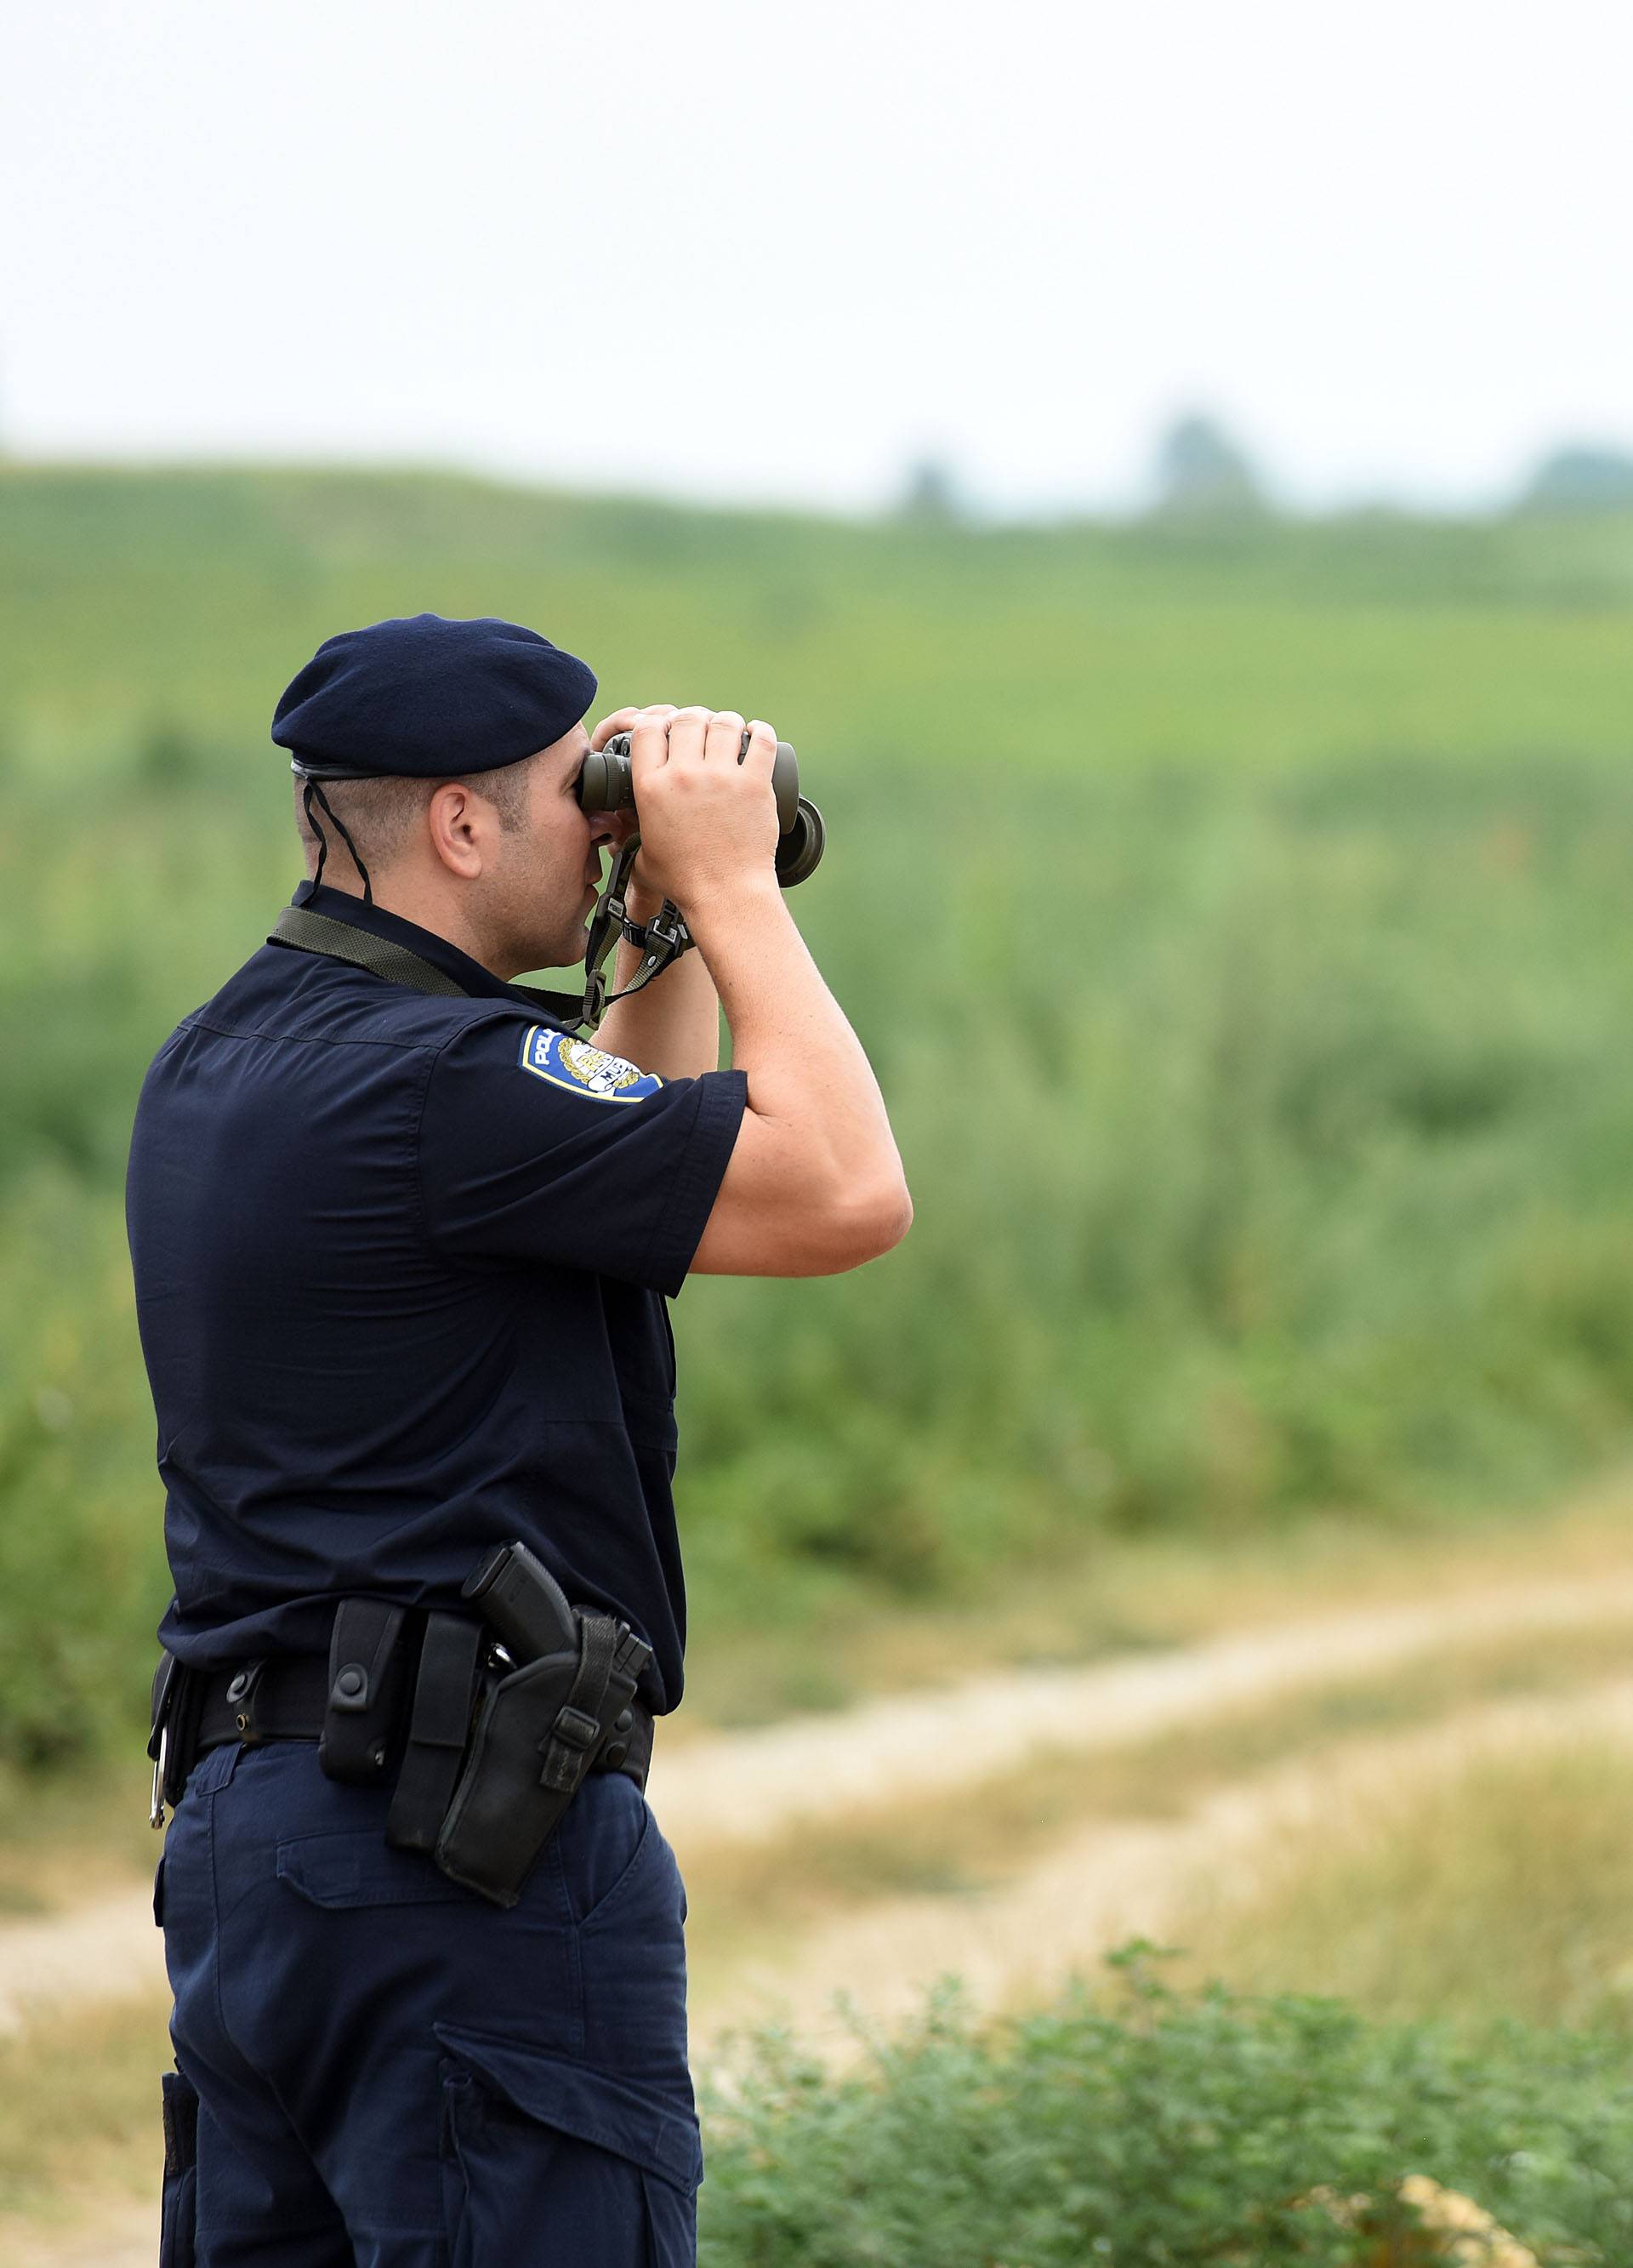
(454, 816)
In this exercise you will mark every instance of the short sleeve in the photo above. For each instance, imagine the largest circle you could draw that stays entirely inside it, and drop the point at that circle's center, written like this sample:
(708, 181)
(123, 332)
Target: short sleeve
(533, 1147)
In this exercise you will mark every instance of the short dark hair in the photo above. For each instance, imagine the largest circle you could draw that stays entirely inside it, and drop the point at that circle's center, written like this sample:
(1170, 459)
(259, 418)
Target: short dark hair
(378, 814)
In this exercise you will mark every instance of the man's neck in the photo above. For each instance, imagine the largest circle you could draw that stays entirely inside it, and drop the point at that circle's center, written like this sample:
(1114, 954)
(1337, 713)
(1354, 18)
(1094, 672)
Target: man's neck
(428, 910)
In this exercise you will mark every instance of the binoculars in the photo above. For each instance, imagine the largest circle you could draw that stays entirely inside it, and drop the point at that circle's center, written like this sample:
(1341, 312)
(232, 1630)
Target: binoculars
(606, 785)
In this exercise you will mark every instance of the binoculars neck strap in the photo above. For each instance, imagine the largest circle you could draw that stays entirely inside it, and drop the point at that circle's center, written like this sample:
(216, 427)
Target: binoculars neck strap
(659, 941)
(342, 940)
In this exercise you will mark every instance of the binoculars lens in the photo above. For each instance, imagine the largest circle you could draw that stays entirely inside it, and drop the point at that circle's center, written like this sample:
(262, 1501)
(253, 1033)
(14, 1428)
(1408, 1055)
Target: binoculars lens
(606, 785)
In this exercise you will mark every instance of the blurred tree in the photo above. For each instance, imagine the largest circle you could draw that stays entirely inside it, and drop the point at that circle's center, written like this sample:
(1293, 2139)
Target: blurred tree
(1203, 473)
(1581, 477)
(932, 492)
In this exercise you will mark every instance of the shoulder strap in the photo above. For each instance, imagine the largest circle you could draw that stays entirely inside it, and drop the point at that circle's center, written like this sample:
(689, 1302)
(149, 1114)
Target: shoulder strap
(336, 940)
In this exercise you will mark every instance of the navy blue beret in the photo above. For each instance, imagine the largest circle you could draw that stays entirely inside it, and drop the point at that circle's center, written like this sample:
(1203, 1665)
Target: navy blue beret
(428, 698)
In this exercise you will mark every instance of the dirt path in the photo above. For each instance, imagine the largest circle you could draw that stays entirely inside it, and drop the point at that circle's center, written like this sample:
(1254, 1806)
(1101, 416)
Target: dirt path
(749, 1786)
(1104, 1884)
(104, 1951)
(126, 2239)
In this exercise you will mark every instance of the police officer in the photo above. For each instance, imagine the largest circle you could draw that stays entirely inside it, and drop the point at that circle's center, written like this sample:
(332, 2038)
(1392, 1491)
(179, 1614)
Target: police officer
(402, 1261)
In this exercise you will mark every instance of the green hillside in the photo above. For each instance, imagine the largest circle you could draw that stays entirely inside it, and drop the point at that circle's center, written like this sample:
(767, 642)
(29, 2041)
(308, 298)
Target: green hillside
(1237, 920)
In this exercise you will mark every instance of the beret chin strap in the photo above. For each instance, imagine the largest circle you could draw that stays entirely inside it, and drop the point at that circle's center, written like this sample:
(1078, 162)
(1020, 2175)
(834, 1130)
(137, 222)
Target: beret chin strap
(313, 788)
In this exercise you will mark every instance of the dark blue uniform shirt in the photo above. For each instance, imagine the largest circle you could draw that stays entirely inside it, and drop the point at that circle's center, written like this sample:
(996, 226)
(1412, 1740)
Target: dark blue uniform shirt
(401, 1267)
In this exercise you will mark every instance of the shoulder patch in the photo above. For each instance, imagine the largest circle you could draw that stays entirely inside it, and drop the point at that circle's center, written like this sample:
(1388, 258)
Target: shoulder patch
(574, 1064)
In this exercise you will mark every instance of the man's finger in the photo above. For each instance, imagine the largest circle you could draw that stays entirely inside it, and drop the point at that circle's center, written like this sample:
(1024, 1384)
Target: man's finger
(725, 737)
(649, 740)
(760, 754)
(620, 721)
(626, 720)
(688, 728)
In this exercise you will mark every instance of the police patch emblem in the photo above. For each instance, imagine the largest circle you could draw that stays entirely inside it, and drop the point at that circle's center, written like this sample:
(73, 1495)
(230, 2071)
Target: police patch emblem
(575, 1064)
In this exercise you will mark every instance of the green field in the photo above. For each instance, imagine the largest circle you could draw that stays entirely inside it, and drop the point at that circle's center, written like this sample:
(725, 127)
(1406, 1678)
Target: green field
(1236, 919)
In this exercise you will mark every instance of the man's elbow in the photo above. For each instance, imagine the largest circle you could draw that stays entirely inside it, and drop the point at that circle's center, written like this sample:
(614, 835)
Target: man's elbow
(896, 1216)
(866, 1224)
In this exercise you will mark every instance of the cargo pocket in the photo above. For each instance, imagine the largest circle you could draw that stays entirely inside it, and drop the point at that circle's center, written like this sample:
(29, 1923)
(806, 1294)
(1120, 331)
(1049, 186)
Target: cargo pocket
(537, 2148)
(179, 2214)
(359, 1868)
(606, 1838)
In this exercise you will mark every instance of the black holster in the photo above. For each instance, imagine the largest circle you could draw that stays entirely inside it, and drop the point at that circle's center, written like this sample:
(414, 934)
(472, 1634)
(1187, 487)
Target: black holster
(538, 1730)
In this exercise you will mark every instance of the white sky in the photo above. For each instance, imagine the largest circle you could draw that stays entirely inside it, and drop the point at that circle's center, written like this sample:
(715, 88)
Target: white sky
(775, 248)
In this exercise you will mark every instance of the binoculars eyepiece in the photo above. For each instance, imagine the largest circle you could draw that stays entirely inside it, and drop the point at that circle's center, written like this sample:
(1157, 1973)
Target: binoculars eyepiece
(606, 785)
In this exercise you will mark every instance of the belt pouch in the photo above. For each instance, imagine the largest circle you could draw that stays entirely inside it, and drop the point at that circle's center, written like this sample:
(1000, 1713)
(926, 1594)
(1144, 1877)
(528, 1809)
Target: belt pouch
(537, 1733)
(365, 1692)
(438, 1730)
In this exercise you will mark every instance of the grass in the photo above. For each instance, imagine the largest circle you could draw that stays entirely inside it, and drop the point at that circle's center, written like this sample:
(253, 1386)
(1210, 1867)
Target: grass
(1504, 1892)
(1116, 1594)
(81, 2102)
(1237, 922)
(74, 1834)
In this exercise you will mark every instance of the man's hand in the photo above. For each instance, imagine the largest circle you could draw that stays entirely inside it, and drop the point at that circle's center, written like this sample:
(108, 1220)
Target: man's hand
(707, 815)
(641, 899)
(814, 1183)
(673, 1027)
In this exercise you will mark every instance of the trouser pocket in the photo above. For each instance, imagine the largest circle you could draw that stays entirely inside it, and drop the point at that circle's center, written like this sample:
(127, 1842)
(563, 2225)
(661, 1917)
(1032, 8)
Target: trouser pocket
(546, 2158)
(179, 2216)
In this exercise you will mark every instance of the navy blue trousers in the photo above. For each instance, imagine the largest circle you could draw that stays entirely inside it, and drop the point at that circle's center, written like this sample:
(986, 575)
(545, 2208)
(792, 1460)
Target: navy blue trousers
(379, 2069)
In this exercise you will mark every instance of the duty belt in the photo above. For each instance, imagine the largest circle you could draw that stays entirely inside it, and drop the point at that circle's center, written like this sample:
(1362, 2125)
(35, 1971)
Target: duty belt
(483, 1729)
(286, 1698)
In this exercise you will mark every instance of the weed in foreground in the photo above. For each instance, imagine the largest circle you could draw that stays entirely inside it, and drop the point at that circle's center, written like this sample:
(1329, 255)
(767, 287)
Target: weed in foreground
(1142, 2125)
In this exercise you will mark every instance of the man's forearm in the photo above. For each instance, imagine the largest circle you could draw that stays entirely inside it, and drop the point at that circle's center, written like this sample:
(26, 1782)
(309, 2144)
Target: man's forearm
(672, 1026)
(807, 1068)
